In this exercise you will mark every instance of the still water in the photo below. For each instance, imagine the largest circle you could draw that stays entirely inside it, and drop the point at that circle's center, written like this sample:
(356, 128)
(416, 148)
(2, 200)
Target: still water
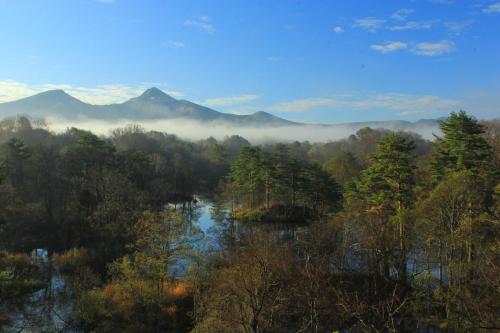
(49, 309)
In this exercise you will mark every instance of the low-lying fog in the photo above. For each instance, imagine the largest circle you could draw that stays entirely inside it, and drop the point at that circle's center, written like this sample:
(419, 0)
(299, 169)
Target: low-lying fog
(192, 130)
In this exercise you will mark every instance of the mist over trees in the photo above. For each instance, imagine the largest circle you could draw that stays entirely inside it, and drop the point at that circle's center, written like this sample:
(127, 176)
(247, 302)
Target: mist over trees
(379, 232)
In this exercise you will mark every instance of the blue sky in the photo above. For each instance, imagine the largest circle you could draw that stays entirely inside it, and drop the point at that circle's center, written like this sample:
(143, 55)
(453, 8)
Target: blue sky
(316, 61)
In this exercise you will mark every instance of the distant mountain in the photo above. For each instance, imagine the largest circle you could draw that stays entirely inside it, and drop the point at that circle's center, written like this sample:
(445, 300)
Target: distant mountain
(152, 104)
(52, 102)
(155, 104)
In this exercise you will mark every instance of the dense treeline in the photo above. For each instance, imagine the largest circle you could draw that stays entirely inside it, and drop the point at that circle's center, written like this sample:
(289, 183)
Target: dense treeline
(66, 190)
(272, 179)
(379, 232)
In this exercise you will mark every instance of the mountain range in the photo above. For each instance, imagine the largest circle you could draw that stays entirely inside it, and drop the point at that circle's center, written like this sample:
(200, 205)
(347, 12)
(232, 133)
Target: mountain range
(155, 104)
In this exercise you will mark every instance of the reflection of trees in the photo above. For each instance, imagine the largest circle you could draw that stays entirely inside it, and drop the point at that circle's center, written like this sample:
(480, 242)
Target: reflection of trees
(190, 212)
(229, 231)
(218, 211)
(225, 229)
(45, 303)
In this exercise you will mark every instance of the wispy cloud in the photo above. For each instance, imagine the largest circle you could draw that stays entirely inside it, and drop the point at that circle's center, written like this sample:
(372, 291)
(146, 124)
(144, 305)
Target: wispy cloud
(389, 47)
(493, 8)
(433, 49)
(402, 14)
(412, 25)
(230, 100)
(175, 43)
(370, 24)
(203, 23)
(338, 30)
(457, 27)
(402, 104)
(11, 90)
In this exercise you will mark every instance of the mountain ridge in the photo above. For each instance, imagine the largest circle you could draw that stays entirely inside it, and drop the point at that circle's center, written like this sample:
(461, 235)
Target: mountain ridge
(155, 104)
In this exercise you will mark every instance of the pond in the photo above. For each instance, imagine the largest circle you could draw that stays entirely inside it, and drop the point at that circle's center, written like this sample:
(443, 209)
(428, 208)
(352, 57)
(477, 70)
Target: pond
(50, 309)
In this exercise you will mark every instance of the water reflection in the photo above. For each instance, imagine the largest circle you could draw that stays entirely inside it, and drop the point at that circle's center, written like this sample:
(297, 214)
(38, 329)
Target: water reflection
(204, 223)
(50, 309)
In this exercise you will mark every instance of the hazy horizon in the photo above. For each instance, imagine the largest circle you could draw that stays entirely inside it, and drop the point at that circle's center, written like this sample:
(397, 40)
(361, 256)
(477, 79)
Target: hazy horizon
(195, 130)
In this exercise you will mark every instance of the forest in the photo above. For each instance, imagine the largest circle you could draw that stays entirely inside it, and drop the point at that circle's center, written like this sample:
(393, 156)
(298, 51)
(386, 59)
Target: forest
(379, 232)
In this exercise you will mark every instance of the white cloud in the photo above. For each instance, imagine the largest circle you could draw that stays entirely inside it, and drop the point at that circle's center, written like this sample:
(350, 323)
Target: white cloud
(402, 14)
(493, 8)
(402, 104)
(412, 25)
(433, 49)
(230, 100)
(11, 90)
(370, 24)
(338, 29)
(389, 47)
(203, 23)
(457, 27)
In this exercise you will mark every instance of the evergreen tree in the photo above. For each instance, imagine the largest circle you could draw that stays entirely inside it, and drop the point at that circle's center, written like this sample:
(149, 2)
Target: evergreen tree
(387, 182)
(246, 171)
(462, 146)
(387, 186)
(320, 190)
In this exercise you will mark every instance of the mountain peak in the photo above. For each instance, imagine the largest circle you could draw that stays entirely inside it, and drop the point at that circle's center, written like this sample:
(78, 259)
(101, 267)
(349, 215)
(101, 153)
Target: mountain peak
(55, 93)
(53, 96)
(262, 117)
(154, 93)
(262, 113)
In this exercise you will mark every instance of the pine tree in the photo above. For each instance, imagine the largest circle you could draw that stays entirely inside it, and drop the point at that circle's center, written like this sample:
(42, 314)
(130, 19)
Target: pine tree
(387, 185)
(246, 171)
(462, 146)
(388, 180)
